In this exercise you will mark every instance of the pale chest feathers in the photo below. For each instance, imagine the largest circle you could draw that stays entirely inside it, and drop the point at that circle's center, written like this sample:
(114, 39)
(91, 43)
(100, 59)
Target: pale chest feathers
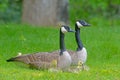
(82, 55)
(79, 56)
(64, 60)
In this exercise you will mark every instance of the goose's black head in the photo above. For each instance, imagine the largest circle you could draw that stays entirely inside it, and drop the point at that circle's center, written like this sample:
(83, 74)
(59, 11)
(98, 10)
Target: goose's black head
(81, 23)
(65, 29)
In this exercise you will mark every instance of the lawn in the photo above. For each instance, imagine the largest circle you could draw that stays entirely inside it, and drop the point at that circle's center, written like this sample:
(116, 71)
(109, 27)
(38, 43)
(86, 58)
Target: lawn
(102, 43)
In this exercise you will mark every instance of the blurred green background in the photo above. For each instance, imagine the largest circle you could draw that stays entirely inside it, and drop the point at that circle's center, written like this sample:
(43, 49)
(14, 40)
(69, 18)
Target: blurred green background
(102, 41)
(93, 10)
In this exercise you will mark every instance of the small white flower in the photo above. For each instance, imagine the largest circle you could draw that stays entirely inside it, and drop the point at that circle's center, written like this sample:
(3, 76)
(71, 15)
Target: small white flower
(19, 54)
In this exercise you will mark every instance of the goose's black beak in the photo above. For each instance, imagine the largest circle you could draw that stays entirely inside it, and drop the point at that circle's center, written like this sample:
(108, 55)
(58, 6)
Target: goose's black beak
(84, 23)
(87, 24)
(71, 30)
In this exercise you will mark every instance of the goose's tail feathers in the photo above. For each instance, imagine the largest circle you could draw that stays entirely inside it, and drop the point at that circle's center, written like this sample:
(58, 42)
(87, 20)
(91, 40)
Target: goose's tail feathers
(11, 59)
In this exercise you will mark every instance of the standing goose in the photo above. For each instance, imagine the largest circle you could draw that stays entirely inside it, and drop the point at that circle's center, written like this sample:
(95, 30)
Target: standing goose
(80, 56)
(61, 60)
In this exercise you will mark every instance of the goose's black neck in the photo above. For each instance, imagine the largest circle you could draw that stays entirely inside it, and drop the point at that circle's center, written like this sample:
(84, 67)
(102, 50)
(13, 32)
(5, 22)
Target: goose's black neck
(77, 36)
(62, 44)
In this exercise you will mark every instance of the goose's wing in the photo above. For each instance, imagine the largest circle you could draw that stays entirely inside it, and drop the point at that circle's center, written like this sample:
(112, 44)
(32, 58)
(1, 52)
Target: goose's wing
(45, 60)
(46, 57)
(41, 56)
(38, 60)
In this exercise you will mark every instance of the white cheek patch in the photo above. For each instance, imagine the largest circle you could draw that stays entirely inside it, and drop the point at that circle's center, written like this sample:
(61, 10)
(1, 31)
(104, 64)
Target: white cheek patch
(79, 25)
(63, 30)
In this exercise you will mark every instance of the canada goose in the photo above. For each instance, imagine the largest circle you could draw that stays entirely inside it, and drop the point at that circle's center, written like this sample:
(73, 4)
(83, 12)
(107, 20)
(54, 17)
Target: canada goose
(80, 56)
(45, 60)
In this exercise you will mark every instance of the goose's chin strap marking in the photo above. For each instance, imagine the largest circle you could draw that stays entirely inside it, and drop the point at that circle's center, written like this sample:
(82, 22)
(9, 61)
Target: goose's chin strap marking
(63, 30)
(79, 25)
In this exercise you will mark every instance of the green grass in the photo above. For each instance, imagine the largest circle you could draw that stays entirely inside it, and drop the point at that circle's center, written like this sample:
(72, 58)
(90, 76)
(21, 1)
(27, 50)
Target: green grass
(102, 43)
